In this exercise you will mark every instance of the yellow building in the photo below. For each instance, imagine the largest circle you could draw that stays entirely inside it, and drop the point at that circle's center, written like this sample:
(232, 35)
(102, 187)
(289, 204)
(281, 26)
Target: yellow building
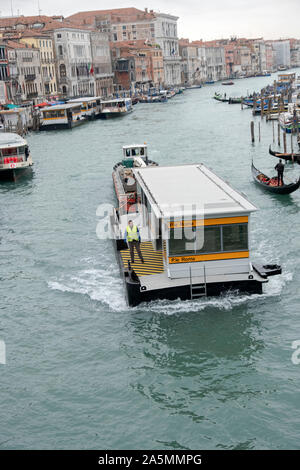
(46, 47)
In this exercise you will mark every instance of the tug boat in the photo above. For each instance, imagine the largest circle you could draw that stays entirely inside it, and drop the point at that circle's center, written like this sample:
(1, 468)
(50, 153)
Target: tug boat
(194, 232)
(15, 158)
(116, 108)
(134, 156)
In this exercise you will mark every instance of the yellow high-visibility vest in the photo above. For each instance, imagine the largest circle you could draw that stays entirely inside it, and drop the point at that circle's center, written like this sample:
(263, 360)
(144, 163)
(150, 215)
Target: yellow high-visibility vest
(132, 233)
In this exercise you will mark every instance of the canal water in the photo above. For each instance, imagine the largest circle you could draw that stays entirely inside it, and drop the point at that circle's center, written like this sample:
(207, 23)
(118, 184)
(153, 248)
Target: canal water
(85, 371)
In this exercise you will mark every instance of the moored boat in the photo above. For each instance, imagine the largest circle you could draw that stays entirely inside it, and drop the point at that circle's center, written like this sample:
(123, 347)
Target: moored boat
(292, 157)
(15, 158)
(228, 83)
(221, 98)
(116, 108)
(189, 250)
(90, 106)
(62, 116)
(271, 184)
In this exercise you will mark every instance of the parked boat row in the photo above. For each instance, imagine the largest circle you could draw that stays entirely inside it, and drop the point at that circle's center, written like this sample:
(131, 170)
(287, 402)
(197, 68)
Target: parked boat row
(77, 111)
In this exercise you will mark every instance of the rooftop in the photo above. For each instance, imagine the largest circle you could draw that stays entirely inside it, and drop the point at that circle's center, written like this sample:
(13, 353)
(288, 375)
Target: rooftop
(174, 186)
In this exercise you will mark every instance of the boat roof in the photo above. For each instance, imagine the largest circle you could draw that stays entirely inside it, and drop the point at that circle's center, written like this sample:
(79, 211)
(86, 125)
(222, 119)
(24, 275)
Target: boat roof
(116, 100)
(9, 139)
(134, 146)
(171, 187)
(61, 106)
(81, 100)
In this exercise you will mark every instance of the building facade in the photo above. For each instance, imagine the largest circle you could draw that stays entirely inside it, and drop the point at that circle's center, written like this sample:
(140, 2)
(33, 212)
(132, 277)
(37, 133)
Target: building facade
(25, 65)
(48, 71)
(101, 64)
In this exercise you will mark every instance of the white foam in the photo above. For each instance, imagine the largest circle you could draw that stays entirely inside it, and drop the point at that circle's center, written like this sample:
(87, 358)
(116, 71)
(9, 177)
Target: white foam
(103, 285)
(106, 286)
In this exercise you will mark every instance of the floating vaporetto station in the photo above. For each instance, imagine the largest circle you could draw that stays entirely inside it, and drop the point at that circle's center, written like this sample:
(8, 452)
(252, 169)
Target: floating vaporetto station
(195, 236)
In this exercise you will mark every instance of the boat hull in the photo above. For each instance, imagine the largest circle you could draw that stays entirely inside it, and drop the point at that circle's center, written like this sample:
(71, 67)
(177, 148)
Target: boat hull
(54, 127)
(109, 115)
(14, 174)
(136, 294)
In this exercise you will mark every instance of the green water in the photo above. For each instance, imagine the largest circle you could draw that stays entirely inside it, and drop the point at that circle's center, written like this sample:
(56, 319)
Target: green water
(85, 371)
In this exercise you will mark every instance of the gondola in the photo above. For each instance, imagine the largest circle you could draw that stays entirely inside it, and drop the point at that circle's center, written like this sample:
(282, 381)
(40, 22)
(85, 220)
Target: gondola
(218, 97)
(291, 157)
(270, 183)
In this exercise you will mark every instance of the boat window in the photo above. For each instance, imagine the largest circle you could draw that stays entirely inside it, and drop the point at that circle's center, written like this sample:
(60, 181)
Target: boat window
(142, 151)
(21, 150)
(195, 240)
(180, 241)
(53, 114)
(235, 237)
(214, 239)
(9, 151)
(128, 153)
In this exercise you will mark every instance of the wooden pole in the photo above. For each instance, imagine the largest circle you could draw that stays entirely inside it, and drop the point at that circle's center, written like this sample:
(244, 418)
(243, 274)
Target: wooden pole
(273, 129)
(262, 106)
(252, 131)
(284, 141)
(259, 131)
(278, 129)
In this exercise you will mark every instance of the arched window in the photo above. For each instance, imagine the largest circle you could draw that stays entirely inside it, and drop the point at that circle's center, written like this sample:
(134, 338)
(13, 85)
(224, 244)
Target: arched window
(62, 70)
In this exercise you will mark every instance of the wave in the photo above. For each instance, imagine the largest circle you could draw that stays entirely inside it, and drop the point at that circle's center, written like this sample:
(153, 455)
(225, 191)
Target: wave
(106, 286)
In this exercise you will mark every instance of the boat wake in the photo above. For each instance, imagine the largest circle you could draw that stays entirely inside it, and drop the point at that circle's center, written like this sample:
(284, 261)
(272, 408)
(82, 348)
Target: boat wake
(102, 285)
(105, 286)
(227, 302)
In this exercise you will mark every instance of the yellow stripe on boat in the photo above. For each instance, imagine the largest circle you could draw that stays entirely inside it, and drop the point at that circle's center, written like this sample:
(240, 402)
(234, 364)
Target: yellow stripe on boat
(153, 260)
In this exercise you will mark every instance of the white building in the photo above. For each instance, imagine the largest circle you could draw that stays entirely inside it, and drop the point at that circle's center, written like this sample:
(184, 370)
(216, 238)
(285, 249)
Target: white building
(74, 61)
(166, 37)
(215, 62)
(283, 53)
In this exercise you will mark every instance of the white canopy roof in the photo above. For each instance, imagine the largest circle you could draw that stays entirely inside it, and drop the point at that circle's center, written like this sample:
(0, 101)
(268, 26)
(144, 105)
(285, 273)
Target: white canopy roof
(169, 188)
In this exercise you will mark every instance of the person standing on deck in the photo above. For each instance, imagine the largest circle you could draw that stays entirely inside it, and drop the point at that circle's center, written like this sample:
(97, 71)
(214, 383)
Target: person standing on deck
(280, 169)
(133, 239)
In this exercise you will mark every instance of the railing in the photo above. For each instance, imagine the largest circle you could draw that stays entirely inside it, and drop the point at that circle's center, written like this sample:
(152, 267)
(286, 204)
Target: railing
(30, 77)
(32, 95)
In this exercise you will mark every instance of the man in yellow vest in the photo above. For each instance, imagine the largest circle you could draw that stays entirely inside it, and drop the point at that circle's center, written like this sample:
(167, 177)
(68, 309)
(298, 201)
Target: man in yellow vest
(133, 239)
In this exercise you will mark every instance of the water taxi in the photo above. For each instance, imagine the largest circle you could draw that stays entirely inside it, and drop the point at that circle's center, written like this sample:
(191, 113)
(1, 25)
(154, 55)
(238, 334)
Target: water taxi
(90, 106)
(15, 158)
(62, 116)
(195, 240)
(116, 108)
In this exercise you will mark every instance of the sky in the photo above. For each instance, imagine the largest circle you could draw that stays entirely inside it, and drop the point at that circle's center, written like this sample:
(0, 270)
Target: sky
(198, 19)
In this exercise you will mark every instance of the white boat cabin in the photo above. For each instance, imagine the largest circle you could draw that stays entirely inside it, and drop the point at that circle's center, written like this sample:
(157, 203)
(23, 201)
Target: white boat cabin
(119, 105)
(62, 115)
(90, 106)
(14, 152)
(196, 219)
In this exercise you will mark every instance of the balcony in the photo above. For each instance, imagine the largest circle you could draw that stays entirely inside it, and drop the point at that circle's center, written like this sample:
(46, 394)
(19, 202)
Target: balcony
(63, 80)
(47, 79)
(32, 95)
(30, 77)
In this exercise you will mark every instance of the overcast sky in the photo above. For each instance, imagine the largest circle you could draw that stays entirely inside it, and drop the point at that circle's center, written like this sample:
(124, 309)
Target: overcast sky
(198, 19)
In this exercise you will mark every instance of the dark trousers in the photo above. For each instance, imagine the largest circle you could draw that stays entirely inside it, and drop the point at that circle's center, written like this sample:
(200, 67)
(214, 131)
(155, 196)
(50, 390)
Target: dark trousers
(280, 178)
(135, 244)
